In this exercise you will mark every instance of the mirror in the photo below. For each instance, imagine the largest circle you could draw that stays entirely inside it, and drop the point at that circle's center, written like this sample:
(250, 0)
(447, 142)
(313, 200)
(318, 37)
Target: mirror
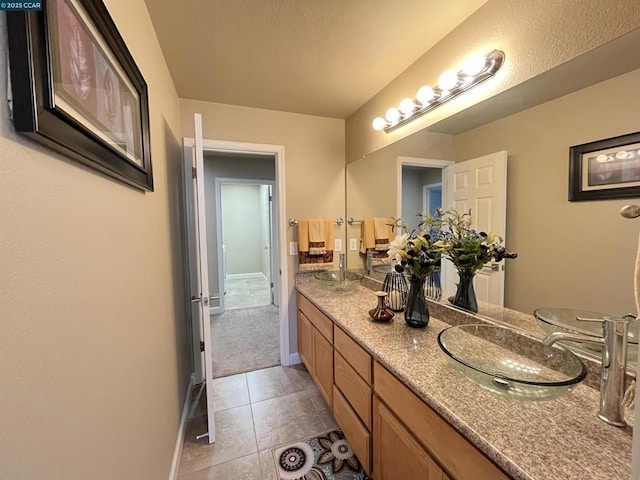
(571, 254)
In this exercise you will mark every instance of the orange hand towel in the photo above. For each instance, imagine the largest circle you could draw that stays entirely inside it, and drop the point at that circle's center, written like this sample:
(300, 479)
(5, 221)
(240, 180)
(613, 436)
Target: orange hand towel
(375, 234)
(317, 245)
(318, 261)
(381, 233)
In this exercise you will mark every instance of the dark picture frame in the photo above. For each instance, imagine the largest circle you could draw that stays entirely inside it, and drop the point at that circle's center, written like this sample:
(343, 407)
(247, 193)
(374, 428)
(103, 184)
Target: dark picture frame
(606, 169)
(77, 89)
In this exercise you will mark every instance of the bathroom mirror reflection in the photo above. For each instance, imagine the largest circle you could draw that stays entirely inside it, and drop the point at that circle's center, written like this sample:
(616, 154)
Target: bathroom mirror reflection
(570, 254)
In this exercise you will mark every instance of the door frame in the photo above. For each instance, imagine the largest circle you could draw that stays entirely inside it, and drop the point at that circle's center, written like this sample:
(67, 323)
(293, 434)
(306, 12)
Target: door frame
(446, 166)
(426, 203)
(272, 237)
(278, 152)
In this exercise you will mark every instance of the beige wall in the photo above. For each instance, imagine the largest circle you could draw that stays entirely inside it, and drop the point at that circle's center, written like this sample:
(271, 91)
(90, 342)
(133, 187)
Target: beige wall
(372, 181)
(94, 359)
(573, 254)
(242, 226)
(314, 162)
(536, 36)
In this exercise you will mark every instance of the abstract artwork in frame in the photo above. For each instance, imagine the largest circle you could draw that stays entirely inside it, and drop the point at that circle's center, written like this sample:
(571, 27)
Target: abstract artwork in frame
(606, 169)
(77, 89)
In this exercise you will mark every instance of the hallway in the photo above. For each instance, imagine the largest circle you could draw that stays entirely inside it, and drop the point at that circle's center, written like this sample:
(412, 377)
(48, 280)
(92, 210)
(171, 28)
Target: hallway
(246, 291)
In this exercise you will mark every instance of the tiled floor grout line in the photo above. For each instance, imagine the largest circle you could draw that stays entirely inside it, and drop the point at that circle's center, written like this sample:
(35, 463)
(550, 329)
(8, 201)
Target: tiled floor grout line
(253, 424)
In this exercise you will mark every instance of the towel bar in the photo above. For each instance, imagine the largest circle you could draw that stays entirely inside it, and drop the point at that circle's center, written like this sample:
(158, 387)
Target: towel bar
(293, 222)
(353, 221)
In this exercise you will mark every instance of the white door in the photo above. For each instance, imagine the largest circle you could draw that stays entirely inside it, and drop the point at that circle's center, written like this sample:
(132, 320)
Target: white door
(480, 185)
(201, 296)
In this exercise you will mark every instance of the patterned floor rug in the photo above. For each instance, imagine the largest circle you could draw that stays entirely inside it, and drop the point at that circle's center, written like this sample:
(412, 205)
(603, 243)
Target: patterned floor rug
(325, 457)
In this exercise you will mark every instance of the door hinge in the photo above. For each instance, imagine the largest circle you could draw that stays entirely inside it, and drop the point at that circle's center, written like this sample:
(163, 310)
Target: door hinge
(194, 173)
(271, 198)
(271, 284)
(202, 346)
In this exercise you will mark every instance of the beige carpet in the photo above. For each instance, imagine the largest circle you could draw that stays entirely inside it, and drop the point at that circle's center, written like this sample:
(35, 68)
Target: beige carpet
(245, 340)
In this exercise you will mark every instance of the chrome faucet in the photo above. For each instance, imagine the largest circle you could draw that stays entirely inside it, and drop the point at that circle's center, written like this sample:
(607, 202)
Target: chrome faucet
(342, 266)
(614, 363)
(369, 264)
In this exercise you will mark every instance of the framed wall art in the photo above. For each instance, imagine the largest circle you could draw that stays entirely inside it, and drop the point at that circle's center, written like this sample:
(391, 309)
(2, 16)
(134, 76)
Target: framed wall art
(606, 169)
(77, 89)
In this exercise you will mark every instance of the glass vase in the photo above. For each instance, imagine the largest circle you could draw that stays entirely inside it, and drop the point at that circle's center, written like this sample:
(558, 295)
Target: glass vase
(416, 312)
(465, 294)
(433, 288)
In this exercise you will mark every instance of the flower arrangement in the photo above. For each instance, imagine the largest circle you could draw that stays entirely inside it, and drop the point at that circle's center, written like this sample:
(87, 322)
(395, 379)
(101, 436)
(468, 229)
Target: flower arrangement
(417, 252)
(447, 234)
(467, 249)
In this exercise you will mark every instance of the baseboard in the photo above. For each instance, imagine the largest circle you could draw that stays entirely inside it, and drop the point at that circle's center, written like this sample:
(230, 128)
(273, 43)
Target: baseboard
(215, 310)
(246, 275)
(294, 358)
(177, 453)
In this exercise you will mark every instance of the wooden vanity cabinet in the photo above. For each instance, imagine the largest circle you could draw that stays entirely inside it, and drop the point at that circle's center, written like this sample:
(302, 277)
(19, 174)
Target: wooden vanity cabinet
(393, 432)
(315, 346)
(396, 453)
(400, 412)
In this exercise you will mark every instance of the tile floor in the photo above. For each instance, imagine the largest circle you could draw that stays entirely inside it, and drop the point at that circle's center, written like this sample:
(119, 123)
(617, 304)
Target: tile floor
(246, 292)
(255, 413)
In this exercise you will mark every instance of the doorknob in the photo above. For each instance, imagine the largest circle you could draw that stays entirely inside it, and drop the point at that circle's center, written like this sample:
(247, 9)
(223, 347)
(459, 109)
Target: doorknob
(495, 267)
(195, 299)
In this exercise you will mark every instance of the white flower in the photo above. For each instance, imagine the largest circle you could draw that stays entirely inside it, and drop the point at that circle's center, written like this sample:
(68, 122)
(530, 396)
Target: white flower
(398, 246)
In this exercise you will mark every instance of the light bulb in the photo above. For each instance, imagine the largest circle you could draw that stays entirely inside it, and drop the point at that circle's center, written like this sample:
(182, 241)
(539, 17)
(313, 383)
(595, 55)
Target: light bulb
(425, 94)
(379, 123)
(392, 115)
(474, 64)
(448, 80)
(407, 106)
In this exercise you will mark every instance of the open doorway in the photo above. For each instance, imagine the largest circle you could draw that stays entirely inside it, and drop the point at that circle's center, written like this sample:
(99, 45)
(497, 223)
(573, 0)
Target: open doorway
(237, 162)
(246, 231)
(424, 185)
(245, 319)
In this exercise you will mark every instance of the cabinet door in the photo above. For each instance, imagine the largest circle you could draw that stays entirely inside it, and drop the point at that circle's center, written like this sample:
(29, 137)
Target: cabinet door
(323, 365)
(305, 341)
(396, 454)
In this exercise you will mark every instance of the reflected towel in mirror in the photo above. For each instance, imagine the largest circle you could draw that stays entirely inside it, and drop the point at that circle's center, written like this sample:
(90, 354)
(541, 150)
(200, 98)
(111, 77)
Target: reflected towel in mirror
(375, 234)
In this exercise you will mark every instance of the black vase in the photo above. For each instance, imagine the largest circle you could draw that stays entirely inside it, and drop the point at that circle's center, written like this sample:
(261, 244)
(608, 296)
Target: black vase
(416, 312)
(465, 294)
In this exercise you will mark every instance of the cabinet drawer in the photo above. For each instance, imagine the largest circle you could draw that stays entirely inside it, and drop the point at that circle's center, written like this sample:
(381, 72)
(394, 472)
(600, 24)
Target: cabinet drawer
(460, 459)
(354, 388)
(316, 317)
(356, 434)
(353, 353)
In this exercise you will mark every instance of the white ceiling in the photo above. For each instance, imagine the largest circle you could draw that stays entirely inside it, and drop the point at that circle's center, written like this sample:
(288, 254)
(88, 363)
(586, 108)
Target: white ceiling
(318, 57)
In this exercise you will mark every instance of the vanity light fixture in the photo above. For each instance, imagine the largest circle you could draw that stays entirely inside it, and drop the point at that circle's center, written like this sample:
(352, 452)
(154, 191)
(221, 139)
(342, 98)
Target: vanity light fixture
(476, 69)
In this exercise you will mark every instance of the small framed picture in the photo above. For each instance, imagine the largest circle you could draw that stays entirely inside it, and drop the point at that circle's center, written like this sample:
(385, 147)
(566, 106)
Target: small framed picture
(606, 169)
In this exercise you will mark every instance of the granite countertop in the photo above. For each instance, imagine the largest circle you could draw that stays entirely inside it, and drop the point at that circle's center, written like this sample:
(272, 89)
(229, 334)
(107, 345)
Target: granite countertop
(529, 440)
